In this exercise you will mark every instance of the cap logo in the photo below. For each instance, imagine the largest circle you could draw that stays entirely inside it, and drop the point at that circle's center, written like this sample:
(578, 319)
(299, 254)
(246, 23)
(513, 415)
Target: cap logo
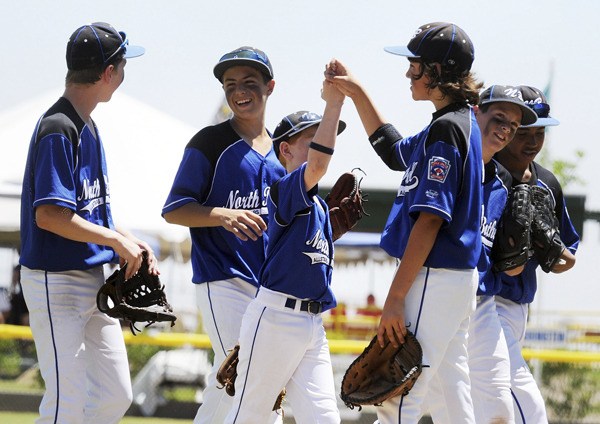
(417, 32)
(310, 116)
(513, 92)
(533, 101)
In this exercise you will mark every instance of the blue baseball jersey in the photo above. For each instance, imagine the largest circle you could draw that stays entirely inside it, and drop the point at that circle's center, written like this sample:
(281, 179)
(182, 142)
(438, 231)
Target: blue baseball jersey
(443, 176)
(496, 184)
(522, 288)
(220, 169)
(65, 167)
(300, 250)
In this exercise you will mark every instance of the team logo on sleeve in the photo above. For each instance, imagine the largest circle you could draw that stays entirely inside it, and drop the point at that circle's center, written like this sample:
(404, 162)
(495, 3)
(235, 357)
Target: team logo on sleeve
(438, 169)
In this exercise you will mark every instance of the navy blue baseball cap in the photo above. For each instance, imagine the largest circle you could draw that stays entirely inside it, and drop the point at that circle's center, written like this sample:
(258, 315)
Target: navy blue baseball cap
(244, 56)
(440, 42)
(94, 45)
(297, 122)
(508, 94)
(537, 101)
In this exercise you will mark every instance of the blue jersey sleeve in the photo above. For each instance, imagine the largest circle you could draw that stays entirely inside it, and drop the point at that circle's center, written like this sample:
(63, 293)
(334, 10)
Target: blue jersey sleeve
(191, 181)
(54, 183)
(289, 196)
(440, 179)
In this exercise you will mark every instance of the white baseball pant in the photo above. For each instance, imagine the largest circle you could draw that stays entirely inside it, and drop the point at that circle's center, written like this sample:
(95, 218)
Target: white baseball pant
(529, 403)
(283, 347)
(222, 305)
(437, 310)
(81, 351)
(489, 369)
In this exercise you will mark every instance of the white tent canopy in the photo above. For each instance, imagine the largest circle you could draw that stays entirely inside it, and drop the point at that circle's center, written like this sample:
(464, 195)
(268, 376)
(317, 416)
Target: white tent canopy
(143, 147)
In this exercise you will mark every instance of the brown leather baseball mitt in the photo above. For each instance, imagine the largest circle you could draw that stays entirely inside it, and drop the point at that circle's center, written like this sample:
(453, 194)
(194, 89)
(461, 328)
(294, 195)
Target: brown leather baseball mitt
(345, 201)
(382, 373)
(227, 374)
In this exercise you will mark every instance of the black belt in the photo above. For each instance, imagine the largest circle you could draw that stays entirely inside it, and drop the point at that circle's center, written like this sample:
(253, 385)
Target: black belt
(310, 306)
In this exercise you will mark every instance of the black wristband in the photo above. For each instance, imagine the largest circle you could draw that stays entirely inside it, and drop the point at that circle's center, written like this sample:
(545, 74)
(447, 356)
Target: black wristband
(320, 148)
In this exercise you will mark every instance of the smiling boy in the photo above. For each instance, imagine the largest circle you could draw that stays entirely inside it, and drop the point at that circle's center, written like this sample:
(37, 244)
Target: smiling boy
(220, 193)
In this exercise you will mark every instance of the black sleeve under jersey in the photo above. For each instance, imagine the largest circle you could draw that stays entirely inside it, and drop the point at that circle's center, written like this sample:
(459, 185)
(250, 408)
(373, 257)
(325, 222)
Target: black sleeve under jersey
(384, 141)
(503, 174)
(549, 179)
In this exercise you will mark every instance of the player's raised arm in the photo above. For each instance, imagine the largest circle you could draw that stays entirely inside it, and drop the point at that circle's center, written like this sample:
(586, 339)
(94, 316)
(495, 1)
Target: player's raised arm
(322, 146)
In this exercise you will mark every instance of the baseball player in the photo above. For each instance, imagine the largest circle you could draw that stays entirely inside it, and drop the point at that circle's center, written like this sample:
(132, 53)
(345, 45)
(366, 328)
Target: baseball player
(500, 112)
(67, 235)
(220, 192)
(433, 227)
(282, 339)
(517, 292)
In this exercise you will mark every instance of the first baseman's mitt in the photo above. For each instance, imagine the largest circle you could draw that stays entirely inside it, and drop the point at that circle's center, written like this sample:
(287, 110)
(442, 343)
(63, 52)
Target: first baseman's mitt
(345, 201)
(545, 236)
(512, 244)
(379, 374)
(139, 299)
(227, 374)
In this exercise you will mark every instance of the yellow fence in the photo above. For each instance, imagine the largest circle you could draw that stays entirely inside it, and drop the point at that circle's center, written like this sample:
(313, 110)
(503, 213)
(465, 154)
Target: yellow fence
(336, 346)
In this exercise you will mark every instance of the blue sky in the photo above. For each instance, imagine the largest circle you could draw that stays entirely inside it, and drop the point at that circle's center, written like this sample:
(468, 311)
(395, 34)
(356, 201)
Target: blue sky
(516, 42)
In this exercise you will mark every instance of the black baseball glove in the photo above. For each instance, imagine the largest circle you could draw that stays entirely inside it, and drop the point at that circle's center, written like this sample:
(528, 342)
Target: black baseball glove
(545, 236)
(512, 244)
(345, 201)
(380, 374)
(139, 299)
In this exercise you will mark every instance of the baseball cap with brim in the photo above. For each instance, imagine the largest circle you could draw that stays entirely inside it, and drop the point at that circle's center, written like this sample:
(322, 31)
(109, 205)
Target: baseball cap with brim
(295, 123)
(244, 56)
(508, 94)
(537, 101)
(440, 42)
(96, 44)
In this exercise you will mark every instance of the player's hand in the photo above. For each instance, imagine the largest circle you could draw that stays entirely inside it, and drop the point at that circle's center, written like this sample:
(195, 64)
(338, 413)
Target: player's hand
(152, 260)
(342, 79)
(331, 94)
(243, 223)
(391, 324)
(130, 253)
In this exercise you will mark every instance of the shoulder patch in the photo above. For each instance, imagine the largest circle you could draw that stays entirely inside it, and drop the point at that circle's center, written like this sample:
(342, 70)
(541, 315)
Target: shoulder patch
(438, 169)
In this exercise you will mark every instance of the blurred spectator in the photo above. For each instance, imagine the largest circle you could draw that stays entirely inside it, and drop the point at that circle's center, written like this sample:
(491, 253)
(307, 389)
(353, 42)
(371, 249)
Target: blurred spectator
(4, 304)
(18, 313)
(371, 309)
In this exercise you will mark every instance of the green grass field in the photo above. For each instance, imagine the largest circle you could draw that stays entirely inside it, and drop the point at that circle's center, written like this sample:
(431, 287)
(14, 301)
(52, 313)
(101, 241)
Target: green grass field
(29, 418)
